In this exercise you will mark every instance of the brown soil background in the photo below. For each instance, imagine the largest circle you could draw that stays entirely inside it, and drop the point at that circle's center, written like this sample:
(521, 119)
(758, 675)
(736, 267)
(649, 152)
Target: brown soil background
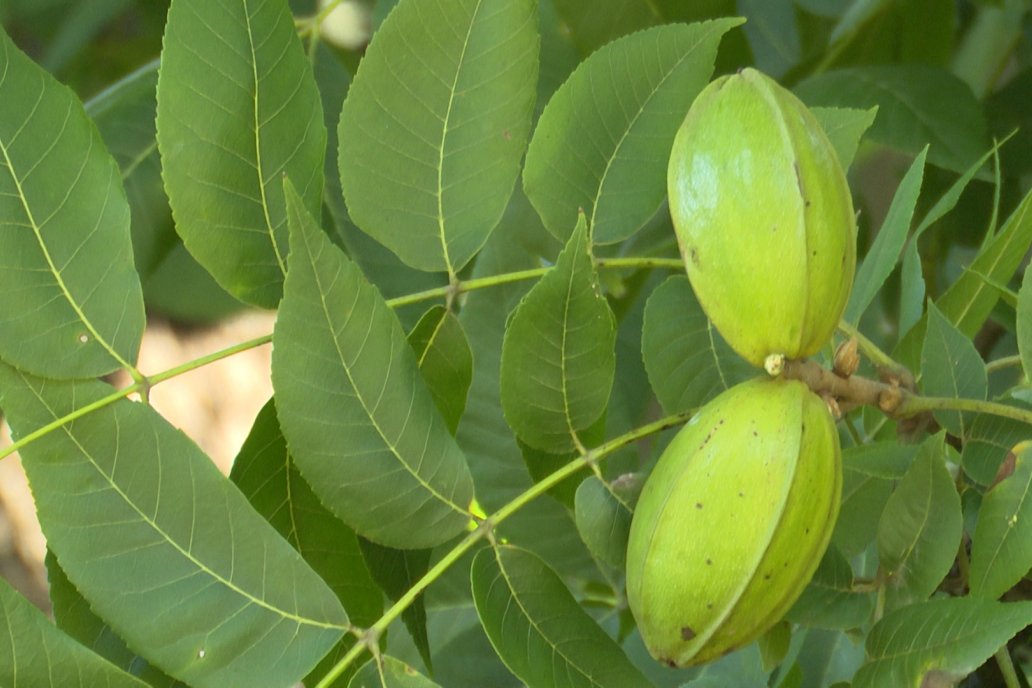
(214, 405)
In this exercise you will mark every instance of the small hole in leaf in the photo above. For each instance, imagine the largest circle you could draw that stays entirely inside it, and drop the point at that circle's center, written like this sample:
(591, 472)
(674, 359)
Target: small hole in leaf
(201, 653)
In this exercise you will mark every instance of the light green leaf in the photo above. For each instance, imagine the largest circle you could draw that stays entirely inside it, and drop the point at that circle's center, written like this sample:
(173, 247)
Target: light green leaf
(948, 638)
(266, 475)
(359, 420)
(603, 515)
(910, 108)
(687, 361)
(387, 672)
(238, 109)
(920, 529)
(989, 439)
(603, 141)
(538, 628)
(74, 616)
(829, 600)
(558, 357)
(951, 367)
(216, 597)
(884, 253)
(73, 305)
(968, 302)
(34, 653)
(445, 360)
(845, 127)
(1024, 328)
(1001, 554)
(435, 124)
(912, 287)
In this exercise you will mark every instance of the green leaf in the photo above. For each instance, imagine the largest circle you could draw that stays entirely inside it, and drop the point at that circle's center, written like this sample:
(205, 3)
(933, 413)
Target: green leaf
(773, 35)
(989, 439)
(603, 141)
(912, 287)
(558, 356)
(216, 596)
(74, 616)
(396, 570)
(869, 473)
(387, 672)
(1024, 332)
(920, 529)
(538, 628)
(74, 306)
(948, 637)
(951, 367)
(884, 253)
(593, 23)
(445, 360)
(687, 361)
(829, 600)
(435, 124)
(238, 109)
(910, 109)
(341, 368)
(34, 653)
(267, 476)
(124, 115)
(603, 515)
(845, 127)
(1001, 554)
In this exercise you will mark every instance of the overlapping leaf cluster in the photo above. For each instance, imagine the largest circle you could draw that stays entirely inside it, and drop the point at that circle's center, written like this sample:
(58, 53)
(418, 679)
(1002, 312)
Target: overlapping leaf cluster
(473, 160)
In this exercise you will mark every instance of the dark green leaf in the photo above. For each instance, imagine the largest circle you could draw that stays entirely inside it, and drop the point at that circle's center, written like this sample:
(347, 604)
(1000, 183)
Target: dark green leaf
(989, 439)
(920, 529)
(829, 600)
(238, 109)
(216, 596)
(603, 515)
(435, 124)
(884, 253)
(74, 306)
(558, 358)
(773, 34)
(342, 370)
(593, 23)
(538, 628)
(34, 653)
(951, 367)
(603, 142)
(774, 645)
(845, 127)
(444, 358)
(74, 616)
(868, 475)
(1001, 554)
(124, 115)
(265, 473)
(910, 109)
(687, 360)
(396, 570)
(947, 637)
(387, 672)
